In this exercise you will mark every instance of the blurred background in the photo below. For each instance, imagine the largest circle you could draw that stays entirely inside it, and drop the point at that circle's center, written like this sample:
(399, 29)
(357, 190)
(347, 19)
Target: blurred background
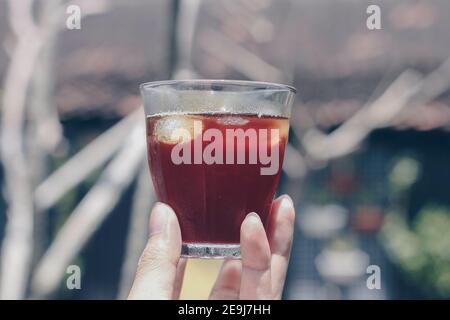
(367, 163)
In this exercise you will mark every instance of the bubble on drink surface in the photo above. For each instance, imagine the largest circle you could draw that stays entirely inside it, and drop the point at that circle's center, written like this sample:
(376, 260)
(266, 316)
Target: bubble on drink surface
(232, 121)
(202, 101)
(175, 129)
(268, 109)
(253, 105)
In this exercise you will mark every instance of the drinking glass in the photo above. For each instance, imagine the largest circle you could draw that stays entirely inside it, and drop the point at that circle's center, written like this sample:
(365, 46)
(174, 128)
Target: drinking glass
(215, 152)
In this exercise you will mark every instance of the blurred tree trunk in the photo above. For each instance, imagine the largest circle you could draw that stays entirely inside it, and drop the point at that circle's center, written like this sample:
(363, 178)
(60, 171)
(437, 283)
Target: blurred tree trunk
(45, 131)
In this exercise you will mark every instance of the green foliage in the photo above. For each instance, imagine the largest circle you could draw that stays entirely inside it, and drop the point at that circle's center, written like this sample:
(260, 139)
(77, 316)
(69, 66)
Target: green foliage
(403, 174)
(423, 250)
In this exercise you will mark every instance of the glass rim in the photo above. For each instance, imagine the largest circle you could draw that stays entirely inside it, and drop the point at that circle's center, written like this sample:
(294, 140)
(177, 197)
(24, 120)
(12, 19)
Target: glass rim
(244, 83)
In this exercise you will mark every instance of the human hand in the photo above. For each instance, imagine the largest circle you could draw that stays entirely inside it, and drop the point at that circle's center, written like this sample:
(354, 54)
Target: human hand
(260, 274)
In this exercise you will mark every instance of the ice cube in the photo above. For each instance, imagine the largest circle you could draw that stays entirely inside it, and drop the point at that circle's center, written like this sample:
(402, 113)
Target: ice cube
(175, 129)
(283, 131)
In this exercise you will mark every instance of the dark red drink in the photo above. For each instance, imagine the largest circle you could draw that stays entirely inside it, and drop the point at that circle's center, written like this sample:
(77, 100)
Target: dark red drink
(212, 188)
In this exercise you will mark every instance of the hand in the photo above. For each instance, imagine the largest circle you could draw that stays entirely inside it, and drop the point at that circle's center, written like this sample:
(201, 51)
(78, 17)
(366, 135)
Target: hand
(260, 274)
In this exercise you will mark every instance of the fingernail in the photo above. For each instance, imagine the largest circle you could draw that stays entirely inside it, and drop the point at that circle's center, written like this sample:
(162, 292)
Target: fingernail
(159, 218)
(253, 217)
(286, 202)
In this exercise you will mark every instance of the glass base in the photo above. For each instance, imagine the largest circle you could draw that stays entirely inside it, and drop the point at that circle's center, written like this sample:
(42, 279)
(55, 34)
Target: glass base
(211, 251)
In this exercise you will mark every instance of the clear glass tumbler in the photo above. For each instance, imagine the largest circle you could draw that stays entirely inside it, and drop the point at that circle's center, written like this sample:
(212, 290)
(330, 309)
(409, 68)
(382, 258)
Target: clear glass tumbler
(215, 151)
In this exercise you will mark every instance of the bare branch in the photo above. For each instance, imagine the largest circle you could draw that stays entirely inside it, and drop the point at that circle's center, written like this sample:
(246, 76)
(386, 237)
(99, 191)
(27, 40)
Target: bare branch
(239, 58)
(435, 84)
(187, 20)
(17, 243)
(30, 39)
(89, 214)
(90, 7)
(409, 90)
(293, 165)
(44, 131)
(351, 133)
(21, 17)
(81, 165)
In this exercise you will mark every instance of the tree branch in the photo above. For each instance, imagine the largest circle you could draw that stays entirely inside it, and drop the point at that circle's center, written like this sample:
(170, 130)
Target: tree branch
(248, 63)
(17, 243)
(89, 214)
(409, 90)
(81, 165)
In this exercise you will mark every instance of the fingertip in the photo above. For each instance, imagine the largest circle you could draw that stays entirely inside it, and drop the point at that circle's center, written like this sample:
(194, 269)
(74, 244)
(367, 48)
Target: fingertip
(164, 206)
(287, 199)
(165, 230)
(157, 266)
(284, 200)
(282, 207)
(252, 217)
(158, 219)
(281, 226)
(256, 260)
(255, 248)
(231, 272)
(287, 208)
(252, 224)
(228, 281)
(161, 216)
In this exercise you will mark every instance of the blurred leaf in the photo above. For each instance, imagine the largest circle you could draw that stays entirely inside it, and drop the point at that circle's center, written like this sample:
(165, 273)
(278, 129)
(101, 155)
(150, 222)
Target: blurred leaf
(423, 251)
(404, 173)
(433, 228)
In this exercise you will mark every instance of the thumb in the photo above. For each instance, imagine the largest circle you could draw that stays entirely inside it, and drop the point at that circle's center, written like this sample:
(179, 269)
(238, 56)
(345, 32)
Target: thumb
(157, 266)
